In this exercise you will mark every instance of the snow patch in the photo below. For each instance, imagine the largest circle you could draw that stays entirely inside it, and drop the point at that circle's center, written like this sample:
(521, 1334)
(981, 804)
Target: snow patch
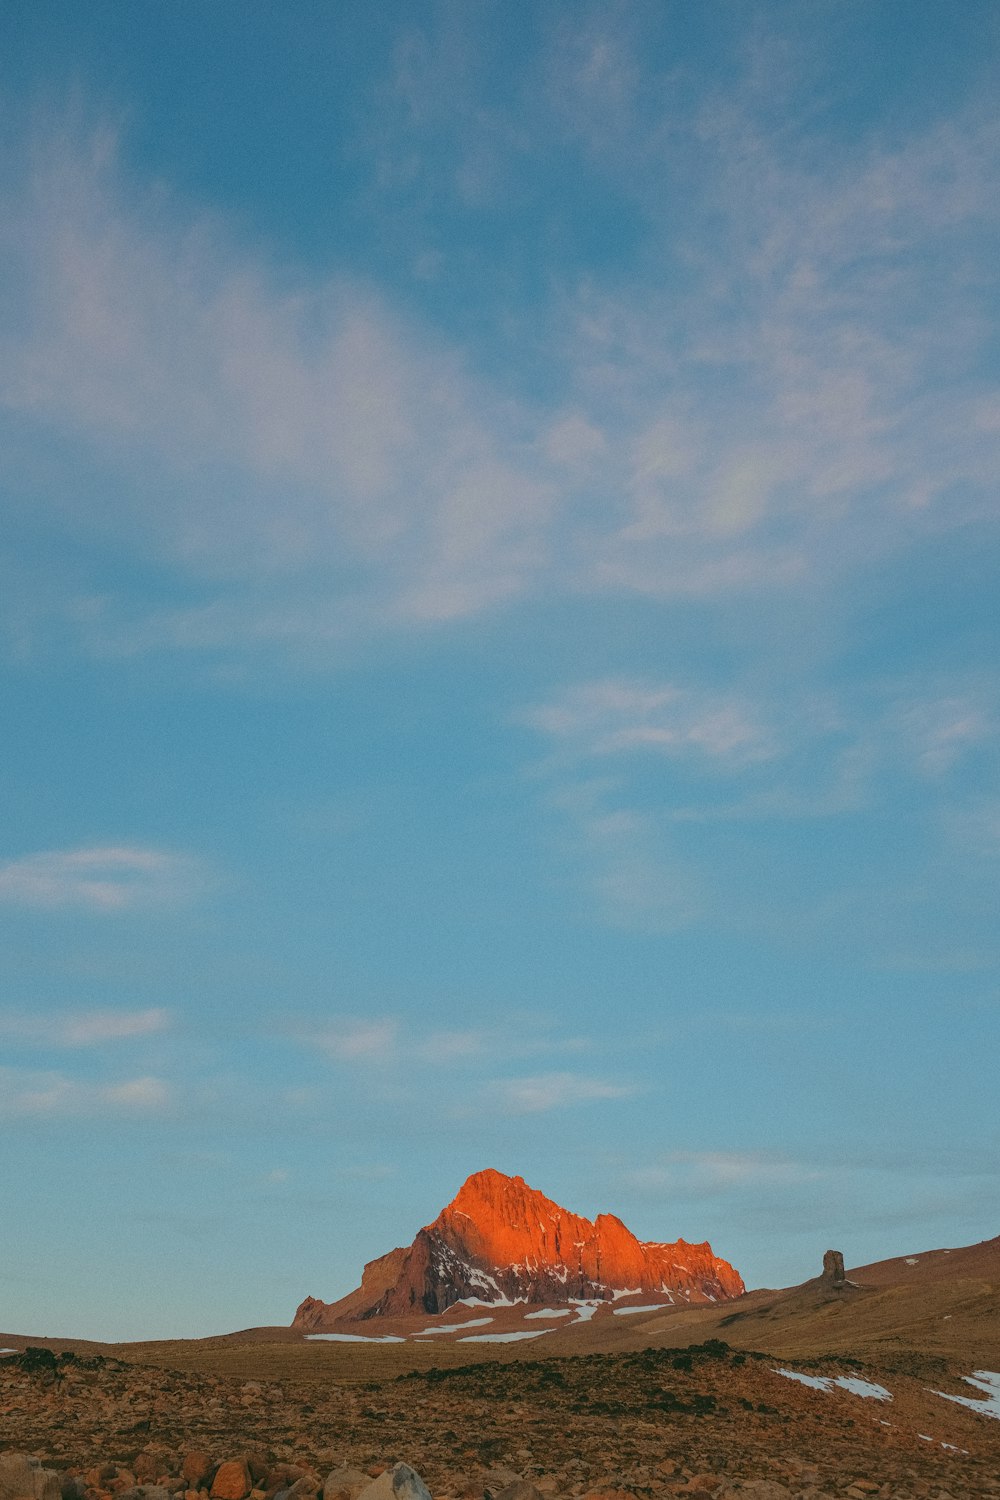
(912, 1260)
(505, 1338)
(549, 1312)
(454, 1327)
(585, 1311)
(624, 1291)
(983, 1380)
(867, 1389)
(623, 1312)
(356, 1338)
(498, 1301)
(5, 1352)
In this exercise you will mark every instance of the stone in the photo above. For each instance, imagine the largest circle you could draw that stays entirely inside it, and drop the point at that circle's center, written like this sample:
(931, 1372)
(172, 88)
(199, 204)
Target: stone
(757, 1489)
(833, 1268)
(344, 1483)
(398, 1483)
(232, 1480)
(23, 1478)
(521, 1489)
(196, 1467)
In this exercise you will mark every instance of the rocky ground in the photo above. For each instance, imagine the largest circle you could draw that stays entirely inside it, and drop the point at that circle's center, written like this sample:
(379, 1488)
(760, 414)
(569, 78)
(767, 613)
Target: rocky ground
(711, 1421)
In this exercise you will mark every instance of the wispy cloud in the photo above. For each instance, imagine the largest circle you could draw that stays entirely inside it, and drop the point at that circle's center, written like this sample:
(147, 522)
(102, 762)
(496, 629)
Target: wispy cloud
(709, 1173)
(356, 470)
(50, 1095)
(769, 419)
(84, 1028)
(106, 878)
(385, 1039)
(545, 1091)
(352, 1040)
(618, 715)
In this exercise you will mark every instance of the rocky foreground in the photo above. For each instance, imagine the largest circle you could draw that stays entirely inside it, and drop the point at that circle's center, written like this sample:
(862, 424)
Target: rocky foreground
(709, 1422)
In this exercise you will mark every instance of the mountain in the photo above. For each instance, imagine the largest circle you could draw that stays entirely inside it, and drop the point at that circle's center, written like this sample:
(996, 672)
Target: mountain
(500, 1242)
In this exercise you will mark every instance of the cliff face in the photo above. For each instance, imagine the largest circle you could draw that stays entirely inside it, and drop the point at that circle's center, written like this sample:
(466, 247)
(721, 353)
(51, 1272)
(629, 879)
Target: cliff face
(501, 1241)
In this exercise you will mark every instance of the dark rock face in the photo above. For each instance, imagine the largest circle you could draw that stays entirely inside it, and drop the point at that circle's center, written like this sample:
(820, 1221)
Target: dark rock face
(500, 1241)
(833, 1268)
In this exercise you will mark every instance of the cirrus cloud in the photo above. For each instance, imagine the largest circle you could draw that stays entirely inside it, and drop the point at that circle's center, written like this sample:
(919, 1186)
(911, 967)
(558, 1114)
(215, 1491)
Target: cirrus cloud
(42, 1095)
(101, 878)
(85, 1028)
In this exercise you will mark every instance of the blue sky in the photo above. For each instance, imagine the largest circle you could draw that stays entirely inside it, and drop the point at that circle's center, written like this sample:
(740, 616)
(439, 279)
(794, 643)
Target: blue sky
(498, 628)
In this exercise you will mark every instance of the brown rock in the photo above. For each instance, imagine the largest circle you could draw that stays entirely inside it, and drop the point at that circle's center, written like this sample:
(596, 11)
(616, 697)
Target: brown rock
(232, 1480)
(197, 1466)
(757, 1489)
(23, 1478)
(344, 1483)
(519, 1490)
(833, 1268)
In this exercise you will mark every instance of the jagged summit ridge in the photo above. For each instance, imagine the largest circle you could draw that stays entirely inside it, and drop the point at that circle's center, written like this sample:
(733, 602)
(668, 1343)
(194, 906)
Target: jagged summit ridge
(501, 1241)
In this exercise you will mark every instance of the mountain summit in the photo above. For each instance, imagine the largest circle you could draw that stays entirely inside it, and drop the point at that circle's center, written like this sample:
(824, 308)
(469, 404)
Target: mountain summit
(500, 1241)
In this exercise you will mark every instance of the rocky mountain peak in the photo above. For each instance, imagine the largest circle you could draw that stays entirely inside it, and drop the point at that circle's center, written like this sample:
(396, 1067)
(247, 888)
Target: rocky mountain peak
(501, 1241)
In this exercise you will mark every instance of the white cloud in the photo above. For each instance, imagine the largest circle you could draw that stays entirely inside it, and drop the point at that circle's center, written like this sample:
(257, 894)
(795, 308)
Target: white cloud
(351, 469)
(331, 468)
(545, 1091)
(940, 731)
(43, 1095)
(613, 715)
(85, 1028)
(356, 1040)
(708, 1173)
(104, 878)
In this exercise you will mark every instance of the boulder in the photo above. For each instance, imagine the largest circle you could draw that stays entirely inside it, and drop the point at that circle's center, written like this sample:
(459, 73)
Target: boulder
(232, 1480)
(344, 1483)
(23, 1478)
(197, 1466)
(398, 1483)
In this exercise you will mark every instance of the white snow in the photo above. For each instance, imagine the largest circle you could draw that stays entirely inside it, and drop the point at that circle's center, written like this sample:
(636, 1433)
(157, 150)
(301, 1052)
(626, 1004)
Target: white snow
(983, 1380)
(497, 1301)
(912, 1260)
(454, 1327)
(5, 1352)
(549, 1312)
(357, 1338)
(864, 1388)
(505, 1338)
(622, 1312)
(818, 1382)
(585, 1311)
(625, 1291)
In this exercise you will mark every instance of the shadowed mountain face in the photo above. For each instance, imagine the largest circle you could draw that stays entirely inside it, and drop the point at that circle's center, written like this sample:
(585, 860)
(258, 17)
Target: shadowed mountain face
(500, 1241)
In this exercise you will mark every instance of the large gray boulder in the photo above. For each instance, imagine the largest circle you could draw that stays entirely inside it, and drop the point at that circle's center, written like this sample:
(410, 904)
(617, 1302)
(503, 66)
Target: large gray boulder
(23, 1478)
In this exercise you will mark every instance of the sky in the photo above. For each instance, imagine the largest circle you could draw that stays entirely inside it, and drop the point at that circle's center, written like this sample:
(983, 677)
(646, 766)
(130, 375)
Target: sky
(498, 635)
